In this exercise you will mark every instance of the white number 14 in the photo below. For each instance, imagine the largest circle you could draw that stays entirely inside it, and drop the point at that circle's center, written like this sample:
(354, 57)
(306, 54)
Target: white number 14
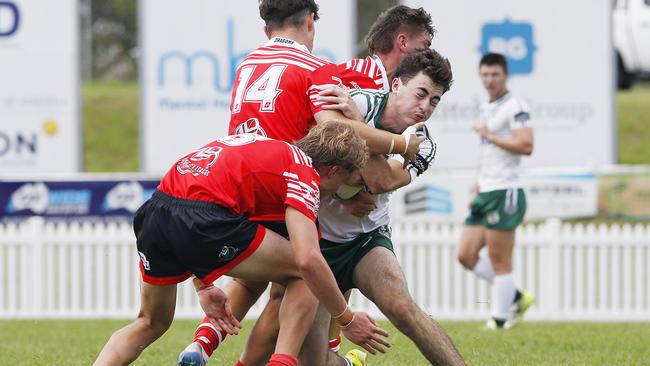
(264, 90)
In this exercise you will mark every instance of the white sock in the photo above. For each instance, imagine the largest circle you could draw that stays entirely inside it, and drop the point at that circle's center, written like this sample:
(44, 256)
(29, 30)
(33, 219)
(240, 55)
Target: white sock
(503, 292)
(483, 269)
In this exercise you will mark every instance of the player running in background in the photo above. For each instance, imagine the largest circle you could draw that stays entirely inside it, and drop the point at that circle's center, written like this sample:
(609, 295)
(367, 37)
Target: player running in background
(200, 222)
(500, 203)
(276, 94)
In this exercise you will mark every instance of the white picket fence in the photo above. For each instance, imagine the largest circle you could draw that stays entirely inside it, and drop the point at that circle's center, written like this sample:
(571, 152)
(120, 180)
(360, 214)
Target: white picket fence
(90, 270)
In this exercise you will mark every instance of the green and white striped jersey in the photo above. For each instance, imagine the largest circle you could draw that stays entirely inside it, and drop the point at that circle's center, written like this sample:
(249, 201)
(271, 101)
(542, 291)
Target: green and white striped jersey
(336, 223)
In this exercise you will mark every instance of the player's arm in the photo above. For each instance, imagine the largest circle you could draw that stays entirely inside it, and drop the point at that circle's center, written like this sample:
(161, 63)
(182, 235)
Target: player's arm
(383, 175)
(521, 141)
(378, 141)
(358, 327)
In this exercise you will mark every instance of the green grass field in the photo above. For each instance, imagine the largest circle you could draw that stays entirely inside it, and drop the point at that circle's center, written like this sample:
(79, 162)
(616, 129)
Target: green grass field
(77, 342)
(110, 115)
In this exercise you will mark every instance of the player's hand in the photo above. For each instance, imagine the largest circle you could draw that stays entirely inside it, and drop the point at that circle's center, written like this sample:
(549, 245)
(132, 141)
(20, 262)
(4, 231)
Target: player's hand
(340, 100)
(364, 332)
(481, 129)
(425, 156)
(413, 142)
(361, 205)
(217, 307)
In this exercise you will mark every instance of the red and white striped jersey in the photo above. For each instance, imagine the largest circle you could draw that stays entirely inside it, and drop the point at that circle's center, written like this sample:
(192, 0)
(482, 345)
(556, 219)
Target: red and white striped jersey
(250, 174)
(365, 73)
(275, 90)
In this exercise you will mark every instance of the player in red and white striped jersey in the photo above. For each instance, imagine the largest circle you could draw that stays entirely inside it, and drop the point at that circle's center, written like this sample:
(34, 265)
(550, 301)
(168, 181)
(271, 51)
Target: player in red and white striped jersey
(397, 32)
(200, 222)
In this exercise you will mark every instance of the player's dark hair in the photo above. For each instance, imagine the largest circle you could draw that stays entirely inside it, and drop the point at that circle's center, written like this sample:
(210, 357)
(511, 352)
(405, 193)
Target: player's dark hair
(278, 14)
(491, 59)
(431, 63)
(334, 143)
(393, 21)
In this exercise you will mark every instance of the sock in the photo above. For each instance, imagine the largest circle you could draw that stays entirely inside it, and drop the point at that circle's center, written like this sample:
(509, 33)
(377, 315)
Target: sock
(503, 292)
(208, 336)
(335, 344)
(348, 362)
(483, 269)
(280, 359)
(239, 363)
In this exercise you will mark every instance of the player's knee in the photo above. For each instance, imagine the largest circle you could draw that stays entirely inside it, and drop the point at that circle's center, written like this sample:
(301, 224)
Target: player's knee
(401, 311)
(500, 262)
(154, 325)
(467, 258)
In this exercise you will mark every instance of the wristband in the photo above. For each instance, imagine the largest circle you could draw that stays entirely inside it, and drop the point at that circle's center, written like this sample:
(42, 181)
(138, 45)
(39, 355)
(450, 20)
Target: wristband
(346, 317)
(392, 145)
(407, 137)
(348, 324)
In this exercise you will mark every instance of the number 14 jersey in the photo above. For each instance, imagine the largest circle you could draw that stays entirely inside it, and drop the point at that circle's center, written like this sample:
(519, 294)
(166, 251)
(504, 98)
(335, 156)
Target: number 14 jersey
(275, 90)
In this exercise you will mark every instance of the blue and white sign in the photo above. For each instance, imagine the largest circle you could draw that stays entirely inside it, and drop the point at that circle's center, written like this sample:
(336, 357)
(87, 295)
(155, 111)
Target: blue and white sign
(514, 41)
(39, 87)
(445, 195)
(78, 198)
(561, 63)
(190, 51)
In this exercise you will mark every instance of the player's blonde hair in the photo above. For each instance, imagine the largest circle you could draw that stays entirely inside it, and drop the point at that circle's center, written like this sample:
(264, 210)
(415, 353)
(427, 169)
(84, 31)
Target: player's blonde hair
(333, 143)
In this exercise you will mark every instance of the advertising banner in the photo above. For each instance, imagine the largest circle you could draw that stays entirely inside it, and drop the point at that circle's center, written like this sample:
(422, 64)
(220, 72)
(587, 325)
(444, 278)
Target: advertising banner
(560, 60)
(445, 196)
(39, 87)
(190, 51)
(77, 198)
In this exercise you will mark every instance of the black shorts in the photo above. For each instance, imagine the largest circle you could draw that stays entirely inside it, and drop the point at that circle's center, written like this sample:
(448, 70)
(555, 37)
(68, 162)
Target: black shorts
(177, 238)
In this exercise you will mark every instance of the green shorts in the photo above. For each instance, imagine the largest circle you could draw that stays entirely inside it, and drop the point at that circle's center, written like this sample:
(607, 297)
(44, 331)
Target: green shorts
(344, 257)
(502, 209)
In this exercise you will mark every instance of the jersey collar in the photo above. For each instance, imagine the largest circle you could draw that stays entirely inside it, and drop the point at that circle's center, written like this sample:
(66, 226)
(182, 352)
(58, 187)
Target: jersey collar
(281, 41)
(501, 100)
(384, 74)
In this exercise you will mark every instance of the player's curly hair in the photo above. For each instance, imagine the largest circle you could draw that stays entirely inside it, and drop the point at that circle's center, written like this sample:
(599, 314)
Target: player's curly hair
(278, 14)
(333, 143)
(400, 18)
(431, 63)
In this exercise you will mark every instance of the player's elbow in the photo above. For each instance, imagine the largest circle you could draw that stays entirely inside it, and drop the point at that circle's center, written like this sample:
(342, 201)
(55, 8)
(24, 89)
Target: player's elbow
(382, 184)
(308, 263)
(527, 148)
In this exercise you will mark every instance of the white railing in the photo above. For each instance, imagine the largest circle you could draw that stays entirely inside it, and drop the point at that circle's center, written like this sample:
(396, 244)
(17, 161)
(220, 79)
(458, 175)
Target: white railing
(90, 270)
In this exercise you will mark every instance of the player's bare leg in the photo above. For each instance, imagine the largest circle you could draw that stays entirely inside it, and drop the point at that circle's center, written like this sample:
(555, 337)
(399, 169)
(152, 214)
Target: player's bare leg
(156, 314)
(262, 338)
(380, 278)
(207, 338)
(472, 240)
(314, 349)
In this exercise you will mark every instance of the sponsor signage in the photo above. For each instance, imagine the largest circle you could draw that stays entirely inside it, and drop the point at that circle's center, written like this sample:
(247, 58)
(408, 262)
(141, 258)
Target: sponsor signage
(39, 87)
(561, 63)
(445, 196)
(74, 198)
(190, 51)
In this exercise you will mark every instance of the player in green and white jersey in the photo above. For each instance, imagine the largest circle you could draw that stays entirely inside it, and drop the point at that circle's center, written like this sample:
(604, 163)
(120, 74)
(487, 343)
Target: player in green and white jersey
(358, 247)
(500, 203)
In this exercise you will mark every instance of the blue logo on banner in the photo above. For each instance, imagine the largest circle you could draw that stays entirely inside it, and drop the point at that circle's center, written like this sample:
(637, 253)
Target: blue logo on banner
(8, 26)
(514, 41)
(221, 82)
(428, 198)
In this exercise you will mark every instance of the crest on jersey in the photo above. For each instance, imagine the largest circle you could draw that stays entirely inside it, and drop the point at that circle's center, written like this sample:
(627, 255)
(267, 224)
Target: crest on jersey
(209, 154)
(252, 125)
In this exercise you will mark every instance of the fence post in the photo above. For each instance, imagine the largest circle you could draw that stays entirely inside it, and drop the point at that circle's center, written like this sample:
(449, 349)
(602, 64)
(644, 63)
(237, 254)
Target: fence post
(35, 233)
(551, 276)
